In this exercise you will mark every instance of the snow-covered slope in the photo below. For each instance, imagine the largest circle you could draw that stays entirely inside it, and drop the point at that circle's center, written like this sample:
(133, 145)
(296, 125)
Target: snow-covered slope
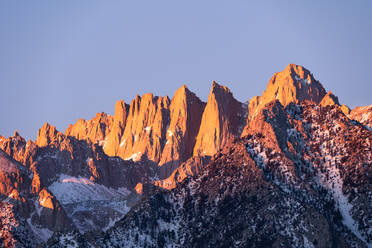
(301, 178)
(90, 205)
(299, 175)
(70, 190)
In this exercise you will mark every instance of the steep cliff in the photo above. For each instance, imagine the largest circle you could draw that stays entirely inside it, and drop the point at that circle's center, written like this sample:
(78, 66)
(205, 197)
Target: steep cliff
(220, 122)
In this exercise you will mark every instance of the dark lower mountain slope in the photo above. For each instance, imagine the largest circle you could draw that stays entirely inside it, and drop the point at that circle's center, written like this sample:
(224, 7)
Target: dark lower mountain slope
(229, 205)
(291, 169)
(282, 185)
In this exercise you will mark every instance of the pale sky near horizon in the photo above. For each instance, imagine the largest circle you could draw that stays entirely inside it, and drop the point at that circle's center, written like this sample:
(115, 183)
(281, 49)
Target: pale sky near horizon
(64, 60)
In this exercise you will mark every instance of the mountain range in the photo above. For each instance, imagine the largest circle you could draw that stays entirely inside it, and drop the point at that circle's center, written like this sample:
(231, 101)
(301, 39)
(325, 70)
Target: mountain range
(289, 168)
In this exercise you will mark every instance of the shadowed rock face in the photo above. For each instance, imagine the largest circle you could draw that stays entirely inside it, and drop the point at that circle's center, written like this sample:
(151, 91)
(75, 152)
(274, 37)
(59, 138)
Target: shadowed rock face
(14, 230)
(19, 202)
(274, 187)
(163, 131)
(189, 168)
(14, 179)
(70, 184)
(103, 129)
(287, 169)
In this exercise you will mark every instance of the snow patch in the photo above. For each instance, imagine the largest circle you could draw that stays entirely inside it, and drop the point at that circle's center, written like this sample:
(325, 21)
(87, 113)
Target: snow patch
(135, 156)
(302, 80)
(43, 233)
(38, 207)
(102, 142)
(112, 222)
(122, 143)
(68, 240)
(334, 185)
(365, 117)
(68, 189)
(307, 243)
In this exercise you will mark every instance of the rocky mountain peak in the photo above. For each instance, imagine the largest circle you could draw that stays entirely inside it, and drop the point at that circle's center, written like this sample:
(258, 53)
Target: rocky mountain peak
(299, 164)
(297, 70)
(345, 109)
(218, 89)
(185, 116)
(46, 134)
(329, 99)
(16, 133)
(220, 121)
(93, 130)
(113, 138)
(292, 85)
(145, 128)
(362, 115)
(120, 116)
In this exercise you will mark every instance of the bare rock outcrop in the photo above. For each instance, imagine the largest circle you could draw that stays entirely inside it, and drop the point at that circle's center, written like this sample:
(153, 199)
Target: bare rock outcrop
(345, 109)
(112, 142)
(329, 99)
(186, 110)
(189, 168)
(145, 129)
(362, 115)
(51, 214)
(220, 123)
(292, 85)
(94, 130)
(17, 148)
(48, 134)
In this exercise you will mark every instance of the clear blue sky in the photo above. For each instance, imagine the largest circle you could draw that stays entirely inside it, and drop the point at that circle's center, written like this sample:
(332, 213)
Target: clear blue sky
(64, 60)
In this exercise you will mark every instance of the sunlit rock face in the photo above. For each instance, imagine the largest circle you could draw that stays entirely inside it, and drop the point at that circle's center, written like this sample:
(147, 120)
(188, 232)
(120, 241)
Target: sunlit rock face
(14, 179)
(112, 140)
(24, 213)
(47, 134)
(166, 132)
(191, 167)
(329, 99)
(17, 148)
(290, 168)
(362, 115)
(220, 123)
(94, 130)
(145, 129)
(302, 174)
(292, 85)
(185, 116)
(68, 184)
